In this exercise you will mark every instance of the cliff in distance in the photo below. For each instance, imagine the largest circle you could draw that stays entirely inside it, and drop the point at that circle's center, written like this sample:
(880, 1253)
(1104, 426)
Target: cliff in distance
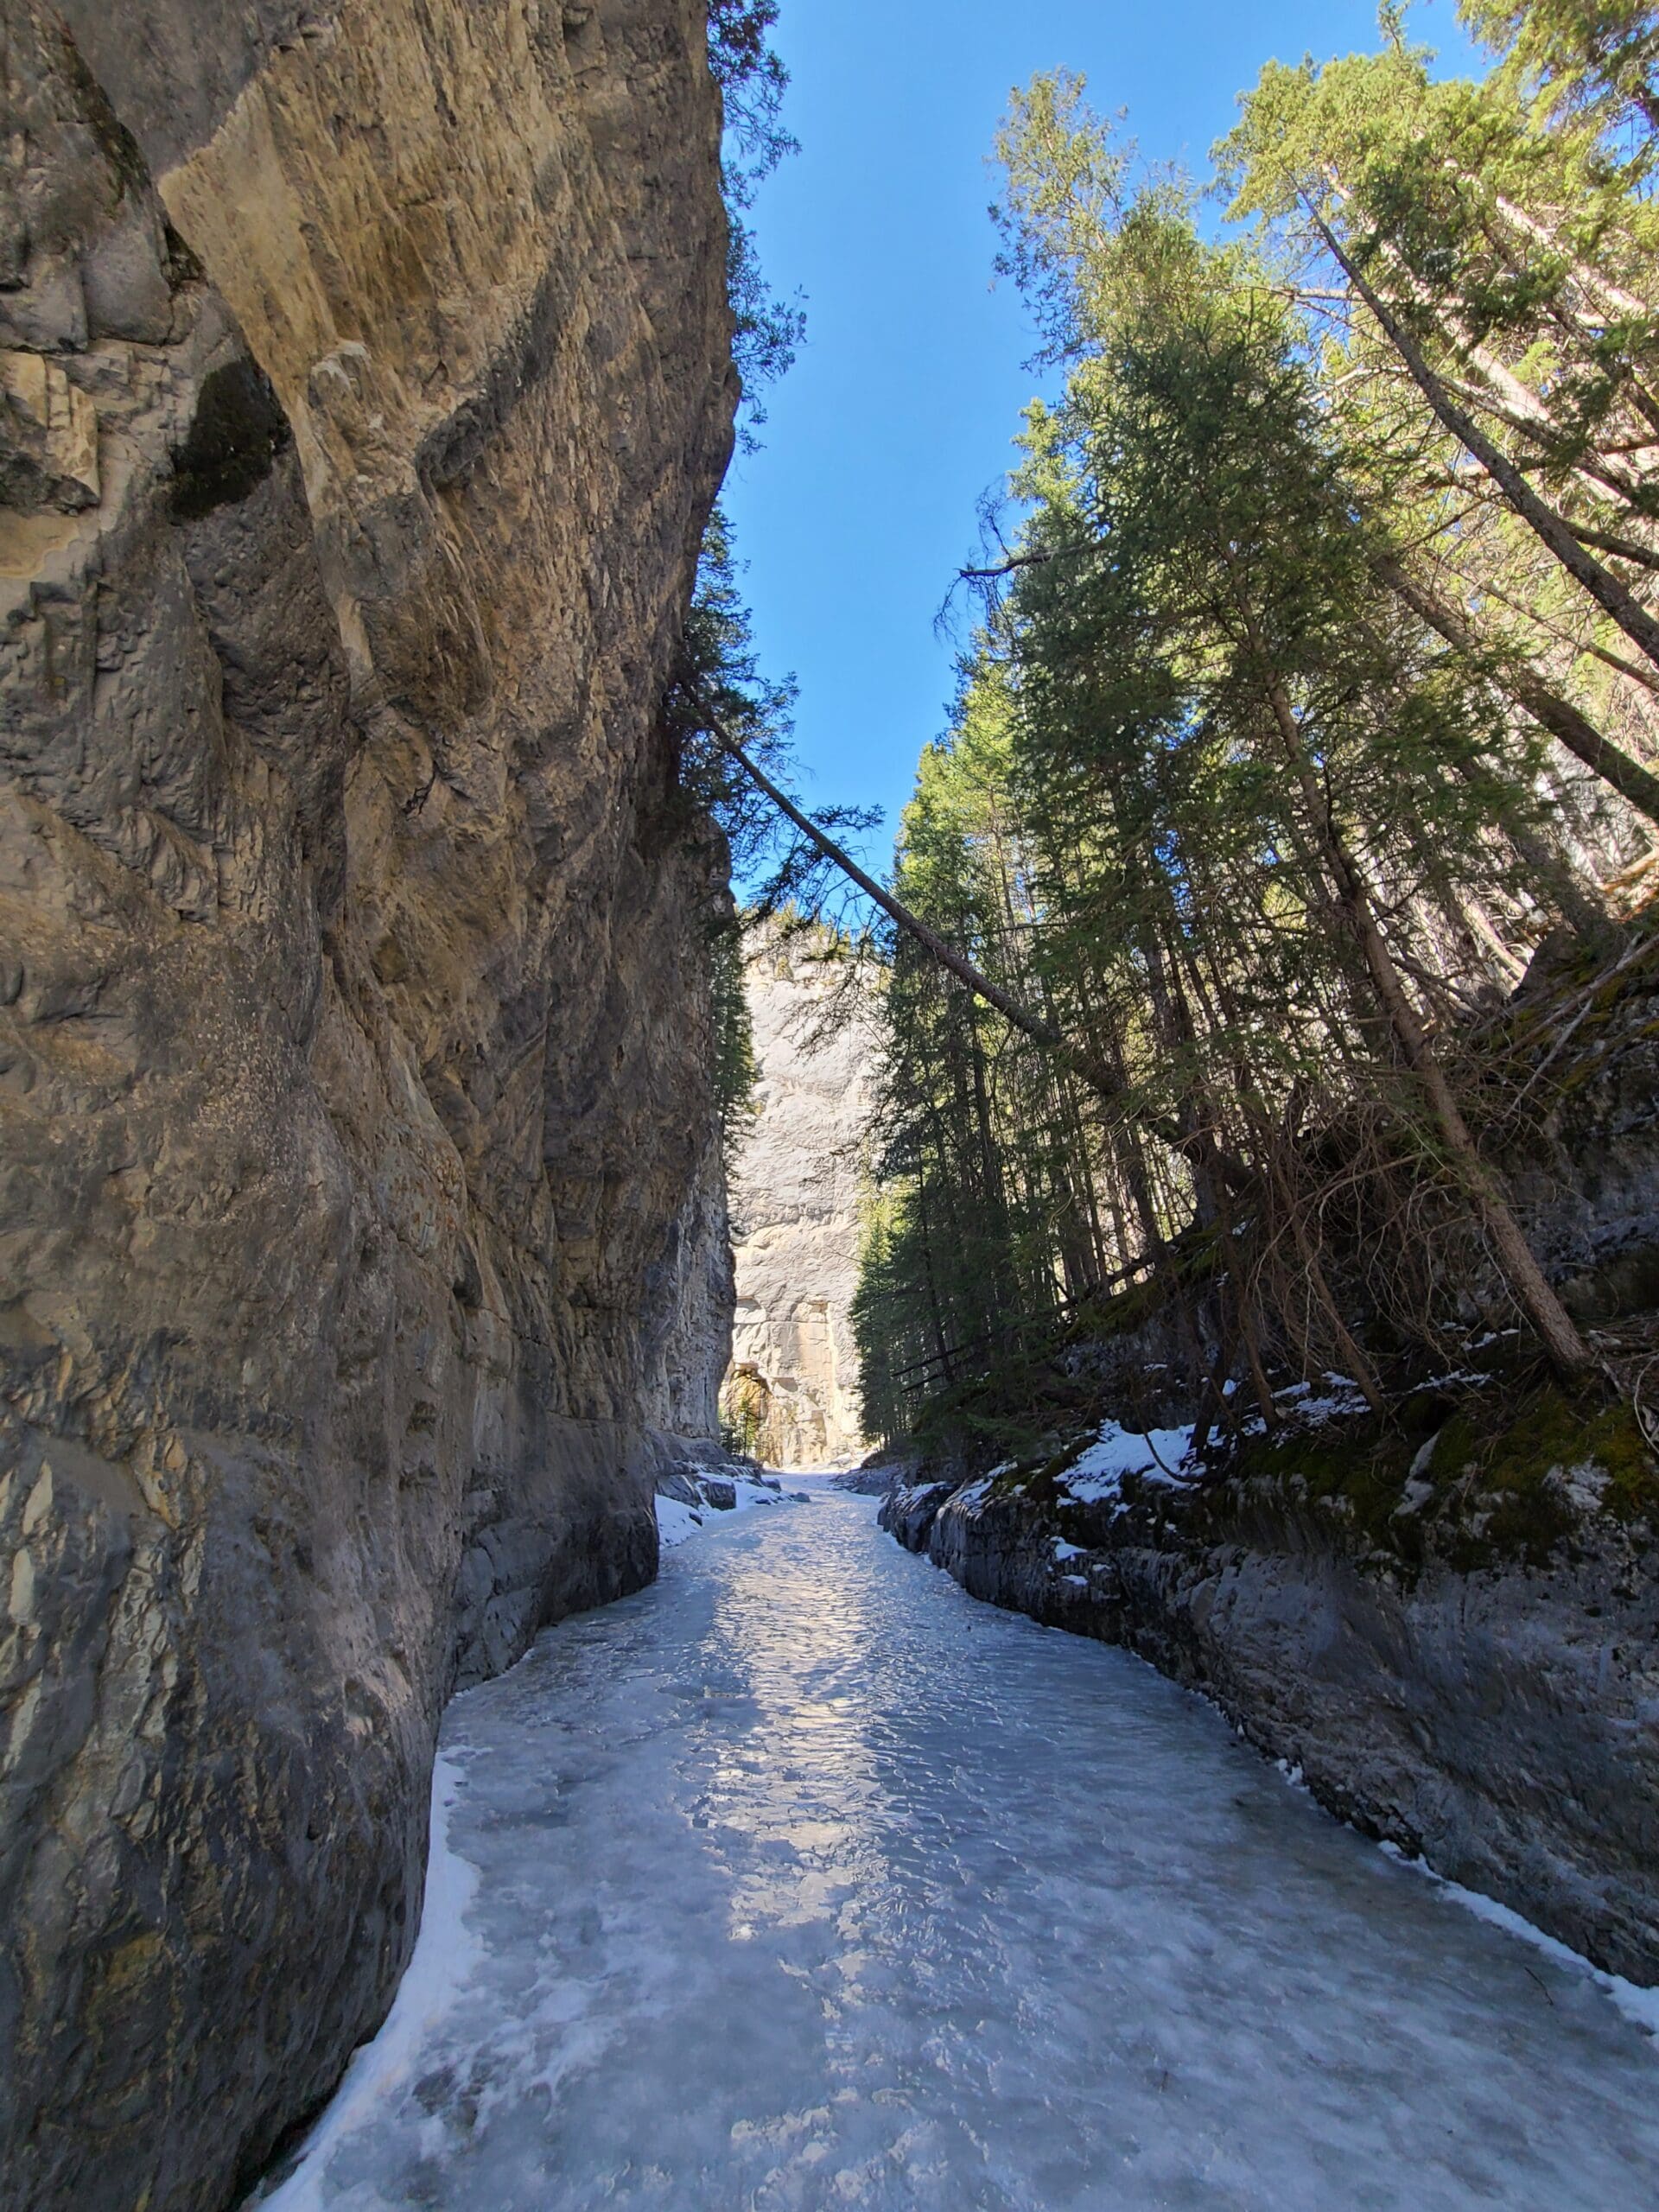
(364, 384)
(793, 1390)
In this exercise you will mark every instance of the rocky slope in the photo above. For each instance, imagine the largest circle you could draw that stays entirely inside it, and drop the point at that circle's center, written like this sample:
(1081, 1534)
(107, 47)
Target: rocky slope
(793, 1385)
(364, 381)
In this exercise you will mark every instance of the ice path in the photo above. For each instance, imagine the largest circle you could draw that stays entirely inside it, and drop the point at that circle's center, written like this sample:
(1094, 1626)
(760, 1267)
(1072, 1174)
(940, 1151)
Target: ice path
(803, 1881)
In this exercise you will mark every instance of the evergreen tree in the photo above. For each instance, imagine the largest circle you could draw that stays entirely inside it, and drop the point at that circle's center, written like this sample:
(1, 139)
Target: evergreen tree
(1248, 809)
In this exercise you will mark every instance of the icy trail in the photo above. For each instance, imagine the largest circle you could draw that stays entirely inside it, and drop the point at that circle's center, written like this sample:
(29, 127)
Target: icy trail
(801, 1880)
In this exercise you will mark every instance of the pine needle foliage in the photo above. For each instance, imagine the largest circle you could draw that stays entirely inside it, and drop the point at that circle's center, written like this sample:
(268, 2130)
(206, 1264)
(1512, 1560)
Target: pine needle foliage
(767, 330)
(1313, 699)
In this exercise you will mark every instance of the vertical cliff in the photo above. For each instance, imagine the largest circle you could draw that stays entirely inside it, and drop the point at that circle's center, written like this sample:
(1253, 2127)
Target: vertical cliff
(793, 1386)
(364, 382)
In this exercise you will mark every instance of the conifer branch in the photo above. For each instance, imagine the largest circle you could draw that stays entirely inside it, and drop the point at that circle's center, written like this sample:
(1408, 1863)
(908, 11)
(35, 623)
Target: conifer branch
(1602, 585)
(1548, 707)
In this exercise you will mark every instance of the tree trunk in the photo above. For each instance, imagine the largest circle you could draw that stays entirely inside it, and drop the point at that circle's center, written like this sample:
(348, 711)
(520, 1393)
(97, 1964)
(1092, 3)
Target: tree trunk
(932, 944)
(1554, 1325)
(1558, 716)
(1604, 586)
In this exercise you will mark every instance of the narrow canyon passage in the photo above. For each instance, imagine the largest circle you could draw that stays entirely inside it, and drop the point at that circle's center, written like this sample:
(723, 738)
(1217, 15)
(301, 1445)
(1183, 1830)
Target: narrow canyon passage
(801, 1880)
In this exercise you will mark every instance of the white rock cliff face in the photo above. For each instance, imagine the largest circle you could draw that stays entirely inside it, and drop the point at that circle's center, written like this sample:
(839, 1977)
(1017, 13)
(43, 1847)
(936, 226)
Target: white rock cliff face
(794, 1384)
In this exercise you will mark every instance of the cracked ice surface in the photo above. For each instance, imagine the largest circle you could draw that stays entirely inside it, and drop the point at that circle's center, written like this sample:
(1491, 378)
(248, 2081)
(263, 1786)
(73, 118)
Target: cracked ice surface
(801, 1881)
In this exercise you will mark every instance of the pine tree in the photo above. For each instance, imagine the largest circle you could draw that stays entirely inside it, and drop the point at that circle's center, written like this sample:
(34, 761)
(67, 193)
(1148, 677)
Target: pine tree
(1248, 799)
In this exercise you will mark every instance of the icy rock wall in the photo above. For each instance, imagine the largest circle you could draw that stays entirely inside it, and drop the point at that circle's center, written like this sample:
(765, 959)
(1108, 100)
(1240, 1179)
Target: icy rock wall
(1499, 1724)
(364, 382)
(794, 1384)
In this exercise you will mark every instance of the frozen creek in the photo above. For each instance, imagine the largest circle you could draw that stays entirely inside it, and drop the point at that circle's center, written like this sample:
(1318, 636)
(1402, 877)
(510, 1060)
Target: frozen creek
(801, 1880)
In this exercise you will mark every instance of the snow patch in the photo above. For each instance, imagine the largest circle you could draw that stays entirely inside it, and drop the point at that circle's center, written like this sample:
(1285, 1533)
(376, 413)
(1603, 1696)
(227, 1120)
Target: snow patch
(675, 1522)
(445, 1955)
(1157, 1455)
(1341, 1399)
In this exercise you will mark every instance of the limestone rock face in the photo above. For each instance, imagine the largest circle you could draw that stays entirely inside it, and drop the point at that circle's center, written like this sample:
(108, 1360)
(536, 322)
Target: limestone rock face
(794, 1384)
(364, 382)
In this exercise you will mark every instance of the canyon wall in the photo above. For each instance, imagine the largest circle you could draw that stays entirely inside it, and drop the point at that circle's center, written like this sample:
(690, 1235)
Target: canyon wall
(792, 1391)
(365, 383)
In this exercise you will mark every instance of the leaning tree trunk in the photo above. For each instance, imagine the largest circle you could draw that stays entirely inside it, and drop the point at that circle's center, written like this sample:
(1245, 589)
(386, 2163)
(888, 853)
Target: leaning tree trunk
(1548, 707)
(1615, 598)
(1549, 1318)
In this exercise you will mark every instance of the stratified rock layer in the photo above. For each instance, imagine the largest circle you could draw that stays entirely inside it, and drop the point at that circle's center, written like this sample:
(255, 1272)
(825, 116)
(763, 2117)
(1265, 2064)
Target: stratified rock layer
(364, 385)
(793, 1389)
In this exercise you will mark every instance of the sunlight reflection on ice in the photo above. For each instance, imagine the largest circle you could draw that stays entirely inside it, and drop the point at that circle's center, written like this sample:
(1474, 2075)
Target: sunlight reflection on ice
(805, 1882)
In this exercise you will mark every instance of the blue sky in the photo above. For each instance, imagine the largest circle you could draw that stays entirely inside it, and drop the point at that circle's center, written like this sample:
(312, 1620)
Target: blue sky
(900, 410)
